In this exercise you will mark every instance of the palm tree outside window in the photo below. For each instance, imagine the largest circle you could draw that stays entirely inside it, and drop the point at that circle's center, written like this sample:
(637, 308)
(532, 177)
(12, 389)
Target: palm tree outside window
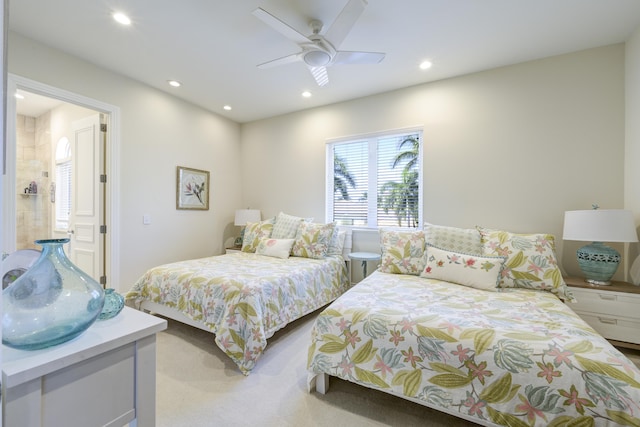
(376, 181)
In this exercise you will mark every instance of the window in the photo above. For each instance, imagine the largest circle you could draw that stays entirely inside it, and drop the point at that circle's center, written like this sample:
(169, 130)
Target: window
(376, 180)
(63, 184)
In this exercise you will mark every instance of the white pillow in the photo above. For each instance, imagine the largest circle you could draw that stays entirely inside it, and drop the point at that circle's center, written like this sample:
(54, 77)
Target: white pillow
(278, 248)
(286, 226)
(476, 271)
(463, 240)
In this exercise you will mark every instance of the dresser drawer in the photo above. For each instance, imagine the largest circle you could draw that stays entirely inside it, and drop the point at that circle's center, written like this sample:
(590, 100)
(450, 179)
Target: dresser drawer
(616, 304)
(613, 327)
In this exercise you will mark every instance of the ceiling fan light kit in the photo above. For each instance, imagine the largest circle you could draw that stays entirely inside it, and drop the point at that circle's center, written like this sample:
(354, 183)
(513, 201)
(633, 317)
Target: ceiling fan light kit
(317, 58)
(319, 51)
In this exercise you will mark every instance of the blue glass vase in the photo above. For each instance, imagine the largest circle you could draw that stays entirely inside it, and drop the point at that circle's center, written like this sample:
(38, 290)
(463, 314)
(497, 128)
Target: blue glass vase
(53, 302)
(113, 304)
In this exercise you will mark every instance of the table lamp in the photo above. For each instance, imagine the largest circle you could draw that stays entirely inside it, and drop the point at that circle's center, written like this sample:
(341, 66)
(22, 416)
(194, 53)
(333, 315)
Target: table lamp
(597, 261)
(244, 216)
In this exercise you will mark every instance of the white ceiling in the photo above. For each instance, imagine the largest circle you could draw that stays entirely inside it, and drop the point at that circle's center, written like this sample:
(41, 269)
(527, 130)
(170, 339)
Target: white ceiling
(213, 46)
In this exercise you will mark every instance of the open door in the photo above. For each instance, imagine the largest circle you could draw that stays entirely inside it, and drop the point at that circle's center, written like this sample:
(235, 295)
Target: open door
(95, 201)
(84, 220)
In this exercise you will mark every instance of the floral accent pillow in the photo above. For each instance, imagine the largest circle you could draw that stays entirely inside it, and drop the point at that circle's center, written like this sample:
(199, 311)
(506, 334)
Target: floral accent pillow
(286, 226)
(402, 252)
(531, 261)
(476, 271)
(336, 244)
(312, 240)
(254, 232)
(464, 240)
(279, 248)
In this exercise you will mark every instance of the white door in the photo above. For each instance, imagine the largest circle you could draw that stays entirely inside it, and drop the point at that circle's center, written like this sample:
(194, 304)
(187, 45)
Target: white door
(84, 219)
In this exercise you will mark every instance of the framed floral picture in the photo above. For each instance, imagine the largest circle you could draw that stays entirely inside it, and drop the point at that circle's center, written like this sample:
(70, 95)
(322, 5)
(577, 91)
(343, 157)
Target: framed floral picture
(192, 189)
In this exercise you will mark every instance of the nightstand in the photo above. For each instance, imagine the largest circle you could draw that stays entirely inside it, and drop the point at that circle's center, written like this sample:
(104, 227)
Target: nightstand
(613, 310)
(233, 249)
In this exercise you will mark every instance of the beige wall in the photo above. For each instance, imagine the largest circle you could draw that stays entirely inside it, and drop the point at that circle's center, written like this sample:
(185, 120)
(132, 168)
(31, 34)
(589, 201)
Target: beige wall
(158, 133)
(509, 148)
(632, 128)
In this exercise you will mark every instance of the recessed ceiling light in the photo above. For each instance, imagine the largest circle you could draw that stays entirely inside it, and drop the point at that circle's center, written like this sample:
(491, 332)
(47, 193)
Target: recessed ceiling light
(227, 107)
(306, 94)
(174, 83)
(425, 65)
(121, 18)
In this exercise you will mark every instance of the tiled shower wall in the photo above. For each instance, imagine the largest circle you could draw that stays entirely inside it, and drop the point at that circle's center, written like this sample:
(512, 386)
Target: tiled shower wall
(33, 163)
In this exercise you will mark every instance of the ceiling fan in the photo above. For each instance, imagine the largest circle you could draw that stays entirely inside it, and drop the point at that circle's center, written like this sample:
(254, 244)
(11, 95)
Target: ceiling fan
(319, 51)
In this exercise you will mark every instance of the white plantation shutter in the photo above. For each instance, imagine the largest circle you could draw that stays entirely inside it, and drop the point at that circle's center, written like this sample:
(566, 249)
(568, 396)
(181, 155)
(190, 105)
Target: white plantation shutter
(63, 184)
(387, 151)
(377, 184)
(352, 211)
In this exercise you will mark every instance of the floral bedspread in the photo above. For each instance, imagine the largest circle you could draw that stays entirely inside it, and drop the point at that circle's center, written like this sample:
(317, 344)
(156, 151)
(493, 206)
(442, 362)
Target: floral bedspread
(518, 358)
(243, 298)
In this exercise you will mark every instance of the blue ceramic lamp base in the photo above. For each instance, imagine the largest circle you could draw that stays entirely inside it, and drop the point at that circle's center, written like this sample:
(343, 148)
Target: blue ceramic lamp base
(239, 240)
(598, 263)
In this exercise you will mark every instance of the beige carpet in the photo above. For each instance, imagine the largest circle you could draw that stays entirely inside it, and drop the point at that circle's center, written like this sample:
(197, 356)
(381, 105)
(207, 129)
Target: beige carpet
(198, 385)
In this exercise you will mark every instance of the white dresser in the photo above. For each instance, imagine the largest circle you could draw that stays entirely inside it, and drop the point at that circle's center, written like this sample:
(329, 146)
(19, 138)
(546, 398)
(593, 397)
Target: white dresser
(104, 377)
(613, 310)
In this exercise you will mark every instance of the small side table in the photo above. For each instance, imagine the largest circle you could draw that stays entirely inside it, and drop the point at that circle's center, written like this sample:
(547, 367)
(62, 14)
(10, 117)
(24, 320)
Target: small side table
(364, 257)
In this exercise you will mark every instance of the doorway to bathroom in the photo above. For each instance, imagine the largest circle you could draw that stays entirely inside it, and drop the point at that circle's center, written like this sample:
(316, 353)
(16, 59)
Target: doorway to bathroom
(59, 186)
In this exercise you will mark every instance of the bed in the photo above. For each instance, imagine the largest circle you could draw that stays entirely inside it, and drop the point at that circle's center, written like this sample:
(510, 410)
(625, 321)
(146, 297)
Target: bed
(244, 297)
(491, 351)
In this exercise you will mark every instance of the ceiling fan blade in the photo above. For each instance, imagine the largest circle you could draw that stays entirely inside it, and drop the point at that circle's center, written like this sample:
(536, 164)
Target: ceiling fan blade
(345, 57)
(320, 74)
(345, 20)
(280, 26)
(280, 61)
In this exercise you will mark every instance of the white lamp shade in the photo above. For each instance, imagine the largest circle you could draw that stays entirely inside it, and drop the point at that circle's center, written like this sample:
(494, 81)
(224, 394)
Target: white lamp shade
(243, 216)
(600, 225)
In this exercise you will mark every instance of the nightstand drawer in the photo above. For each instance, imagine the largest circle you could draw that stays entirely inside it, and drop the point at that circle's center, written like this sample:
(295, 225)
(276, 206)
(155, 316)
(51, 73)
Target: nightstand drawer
(613, 327)
(613, 311)
(616, 304)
